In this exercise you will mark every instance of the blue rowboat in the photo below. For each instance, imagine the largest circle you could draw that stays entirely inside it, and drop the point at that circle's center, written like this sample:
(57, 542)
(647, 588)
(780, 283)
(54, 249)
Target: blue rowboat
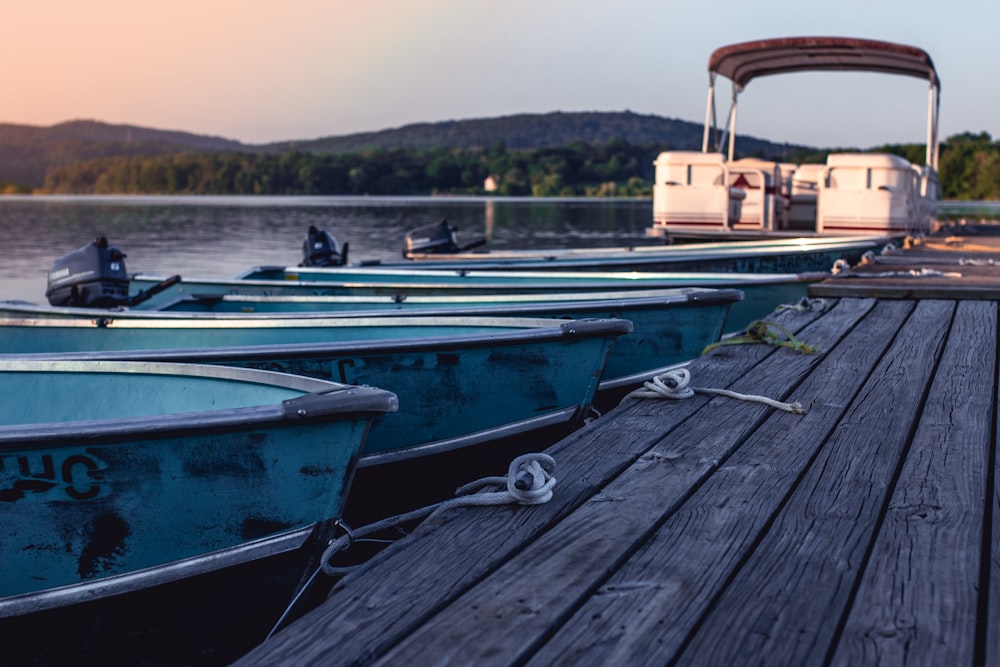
(375, 277)
(670, 326)
(27, 328)
(95, 276)
(760, 296)
(436, 247)
(485, 379)
(404, 285)
(121, 476)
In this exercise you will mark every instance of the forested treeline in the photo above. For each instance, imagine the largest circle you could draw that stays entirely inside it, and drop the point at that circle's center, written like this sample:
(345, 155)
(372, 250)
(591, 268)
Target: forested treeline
(615, 167)
(970, 169)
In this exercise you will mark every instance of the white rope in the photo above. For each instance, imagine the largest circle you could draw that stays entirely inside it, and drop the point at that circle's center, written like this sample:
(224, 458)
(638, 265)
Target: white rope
(804, 304)
(922, 272)
(866, 259)
(529, 481)
(676, 384)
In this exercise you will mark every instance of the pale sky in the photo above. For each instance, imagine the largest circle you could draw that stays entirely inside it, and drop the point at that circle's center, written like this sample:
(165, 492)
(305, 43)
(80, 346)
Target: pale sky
(260, 71)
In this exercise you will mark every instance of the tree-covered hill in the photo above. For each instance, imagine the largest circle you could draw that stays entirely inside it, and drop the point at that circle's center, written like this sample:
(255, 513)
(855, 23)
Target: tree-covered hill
(29, 153)
(528, 132)
(590, 153)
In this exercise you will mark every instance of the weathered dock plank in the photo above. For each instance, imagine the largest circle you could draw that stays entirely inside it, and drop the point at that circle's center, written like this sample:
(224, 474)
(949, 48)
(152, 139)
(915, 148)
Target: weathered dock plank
(645, 613)
(712, 531)
(904, 288)
(578, 554)
(922, 580)
(786, 604)
(930, 270)
(368, 614)
(990, 608)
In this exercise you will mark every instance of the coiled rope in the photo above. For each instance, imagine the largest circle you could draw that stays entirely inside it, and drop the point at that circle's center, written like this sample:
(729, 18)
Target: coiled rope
(529, 481)
(804, 305)
(922, 272)
(676, 384)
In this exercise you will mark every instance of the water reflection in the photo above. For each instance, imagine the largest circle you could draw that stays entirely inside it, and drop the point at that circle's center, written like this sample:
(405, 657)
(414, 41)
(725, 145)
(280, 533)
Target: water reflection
(220, 236)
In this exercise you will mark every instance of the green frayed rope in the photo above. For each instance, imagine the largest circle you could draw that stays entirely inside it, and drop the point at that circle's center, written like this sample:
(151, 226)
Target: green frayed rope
(760, 331)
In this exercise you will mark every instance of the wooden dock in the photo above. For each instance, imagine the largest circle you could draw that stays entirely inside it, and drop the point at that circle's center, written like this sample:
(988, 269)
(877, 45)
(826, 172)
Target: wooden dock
(714, 531)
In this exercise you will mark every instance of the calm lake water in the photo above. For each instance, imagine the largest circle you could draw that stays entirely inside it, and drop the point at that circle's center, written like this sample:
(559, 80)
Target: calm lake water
(218, 237)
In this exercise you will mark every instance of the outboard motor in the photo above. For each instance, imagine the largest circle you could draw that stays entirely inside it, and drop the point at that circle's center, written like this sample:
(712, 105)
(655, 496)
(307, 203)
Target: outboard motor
(437, 239)
(93, 276)
(321, 249)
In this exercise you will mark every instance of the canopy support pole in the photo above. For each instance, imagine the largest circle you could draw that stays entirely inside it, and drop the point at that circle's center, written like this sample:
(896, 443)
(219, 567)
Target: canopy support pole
(709, 113)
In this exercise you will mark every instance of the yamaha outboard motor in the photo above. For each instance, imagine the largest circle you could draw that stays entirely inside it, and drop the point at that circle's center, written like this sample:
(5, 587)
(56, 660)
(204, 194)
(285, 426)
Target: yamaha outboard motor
(321, 249)
(91, 277)
(437, 239)
(94, 276)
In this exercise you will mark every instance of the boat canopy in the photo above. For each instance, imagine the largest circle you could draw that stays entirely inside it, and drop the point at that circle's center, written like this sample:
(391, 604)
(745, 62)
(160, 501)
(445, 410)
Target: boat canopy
(748, 60)
(743, 62)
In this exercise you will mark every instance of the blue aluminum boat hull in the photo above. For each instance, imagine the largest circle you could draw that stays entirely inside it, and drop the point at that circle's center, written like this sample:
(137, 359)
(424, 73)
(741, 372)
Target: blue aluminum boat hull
(760, 297)
(763, 291)
(775, 255)
(122, 476)
(670, 326)
(489, 378)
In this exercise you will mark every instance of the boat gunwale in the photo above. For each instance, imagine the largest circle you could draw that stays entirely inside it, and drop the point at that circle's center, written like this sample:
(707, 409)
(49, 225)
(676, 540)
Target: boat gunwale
(577, 281)
(424, 266)
(328, 401)
(440, 306)
(792, 242)
(152, 319)
(554, 330)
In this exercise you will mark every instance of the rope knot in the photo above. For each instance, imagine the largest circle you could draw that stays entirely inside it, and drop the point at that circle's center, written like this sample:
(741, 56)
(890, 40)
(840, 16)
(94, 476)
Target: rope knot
(672, 384)
(529, 481)
(805, 305)
(676, 384)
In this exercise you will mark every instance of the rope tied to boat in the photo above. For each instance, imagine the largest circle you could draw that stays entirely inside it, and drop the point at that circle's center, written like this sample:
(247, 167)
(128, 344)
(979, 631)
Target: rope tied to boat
(922, 272)
(805, 305)
(529, 481)
(840, 266)
(869, 258)
(761, 332)
(676, 384)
